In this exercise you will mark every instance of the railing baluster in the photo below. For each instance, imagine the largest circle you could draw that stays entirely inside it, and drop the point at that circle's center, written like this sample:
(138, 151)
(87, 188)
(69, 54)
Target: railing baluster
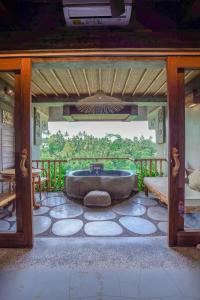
(49, 176)
(160, 167)
(141, 173)
(54, 163)
(145, 167)
(150, 166)
(60, 182)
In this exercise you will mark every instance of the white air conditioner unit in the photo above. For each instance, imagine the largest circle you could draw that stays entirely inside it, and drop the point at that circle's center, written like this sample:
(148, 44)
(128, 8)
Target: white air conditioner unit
(94, 13)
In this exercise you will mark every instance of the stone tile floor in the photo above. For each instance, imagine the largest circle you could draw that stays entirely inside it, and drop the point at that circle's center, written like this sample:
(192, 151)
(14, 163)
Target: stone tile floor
(61, 217)
(100, 269)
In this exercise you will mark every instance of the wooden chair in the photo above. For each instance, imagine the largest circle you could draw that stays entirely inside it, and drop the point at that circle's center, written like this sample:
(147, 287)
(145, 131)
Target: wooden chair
(10, 181)
(40, 181)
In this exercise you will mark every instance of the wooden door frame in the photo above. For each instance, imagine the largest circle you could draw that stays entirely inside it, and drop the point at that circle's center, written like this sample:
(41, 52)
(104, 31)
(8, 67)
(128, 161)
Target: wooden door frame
(177, 60)
(178, 235)
(23, 237)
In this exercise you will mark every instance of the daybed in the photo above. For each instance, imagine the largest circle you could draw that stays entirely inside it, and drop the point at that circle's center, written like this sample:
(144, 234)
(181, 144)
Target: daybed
(159, 187)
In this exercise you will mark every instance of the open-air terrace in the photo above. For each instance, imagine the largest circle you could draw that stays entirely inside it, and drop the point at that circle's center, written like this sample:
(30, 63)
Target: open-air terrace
(58, 215)
(83, 185)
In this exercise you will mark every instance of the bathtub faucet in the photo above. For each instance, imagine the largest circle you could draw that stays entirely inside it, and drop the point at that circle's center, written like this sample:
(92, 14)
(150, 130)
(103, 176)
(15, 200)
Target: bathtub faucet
(96, 168)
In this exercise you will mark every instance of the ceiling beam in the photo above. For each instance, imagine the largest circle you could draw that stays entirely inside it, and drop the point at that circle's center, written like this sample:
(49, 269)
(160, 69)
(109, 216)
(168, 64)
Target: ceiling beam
(100, 81)
(139, 82)
(73, 81)
(125, 64)
(161, 87)
(44, 78)
(113, 83)
(126, 82)
(57, 79)
(160, 73)
(154, 42)
(140, 101)
(86, 81)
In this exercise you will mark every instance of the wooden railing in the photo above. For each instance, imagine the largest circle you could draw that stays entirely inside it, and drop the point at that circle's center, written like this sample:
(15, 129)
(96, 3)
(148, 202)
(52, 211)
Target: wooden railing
(149, 167)
(55, 170)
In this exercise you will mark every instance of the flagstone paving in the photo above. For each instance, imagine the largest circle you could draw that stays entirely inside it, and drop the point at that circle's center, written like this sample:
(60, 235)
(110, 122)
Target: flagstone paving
(41, 211)
(41, 224)
(130, 209)
(138, 225)
(66, 211)
(99, 215)
(163, 226)
(4, 225)
(59, 216)
(103, 228)
(158, 213)
(67, 227)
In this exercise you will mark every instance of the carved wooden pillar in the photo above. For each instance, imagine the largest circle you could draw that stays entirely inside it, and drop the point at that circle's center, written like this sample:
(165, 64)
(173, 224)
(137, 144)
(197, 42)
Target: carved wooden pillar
(176, 172)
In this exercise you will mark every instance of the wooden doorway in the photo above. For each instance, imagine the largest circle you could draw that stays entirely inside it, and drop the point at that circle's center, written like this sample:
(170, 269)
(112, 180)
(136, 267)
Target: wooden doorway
(178, 235)
(21, 74)
(176, 63)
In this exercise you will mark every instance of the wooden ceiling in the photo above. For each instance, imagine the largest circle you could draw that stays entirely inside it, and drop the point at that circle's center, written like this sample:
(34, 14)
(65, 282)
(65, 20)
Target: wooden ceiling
(55, 83)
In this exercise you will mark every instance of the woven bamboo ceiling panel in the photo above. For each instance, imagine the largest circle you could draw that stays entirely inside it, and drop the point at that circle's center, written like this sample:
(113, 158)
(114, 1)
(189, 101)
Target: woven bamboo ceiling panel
(112, 81)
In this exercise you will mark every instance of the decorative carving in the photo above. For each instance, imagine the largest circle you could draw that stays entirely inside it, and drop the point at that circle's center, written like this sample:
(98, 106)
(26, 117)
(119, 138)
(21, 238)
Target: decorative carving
(24, 156)
(181, 208)
(7, 118)
(175, 156)
(100, 103)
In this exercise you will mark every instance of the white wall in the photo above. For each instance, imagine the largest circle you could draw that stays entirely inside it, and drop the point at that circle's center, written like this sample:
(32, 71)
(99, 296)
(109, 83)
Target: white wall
(43, 119)
(192, 130)
(35, 148)
(192, 142)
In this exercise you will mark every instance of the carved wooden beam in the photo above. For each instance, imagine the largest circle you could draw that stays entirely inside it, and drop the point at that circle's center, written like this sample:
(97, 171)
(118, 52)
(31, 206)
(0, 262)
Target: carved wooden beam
(127, 100)
(63, 39)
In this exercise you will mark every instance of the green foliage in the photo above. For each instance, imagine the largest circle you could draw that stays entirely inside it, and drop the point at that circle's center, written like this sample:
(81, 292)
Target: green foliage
(56, 143)
(63, 147)
(145, 172)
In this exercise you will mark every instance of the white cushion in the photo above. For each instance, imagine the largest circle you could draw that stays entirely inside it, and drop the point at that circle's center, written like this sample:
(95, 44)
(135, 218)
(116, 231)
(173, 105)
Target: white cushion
(97, 198)
(194, 180)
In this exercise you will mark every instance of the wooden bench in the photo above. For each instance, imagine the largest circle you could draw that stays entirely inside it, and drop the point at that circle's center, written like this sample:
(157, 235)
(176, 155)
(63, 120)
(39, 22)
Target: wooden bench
(7, 198)
(159, 187)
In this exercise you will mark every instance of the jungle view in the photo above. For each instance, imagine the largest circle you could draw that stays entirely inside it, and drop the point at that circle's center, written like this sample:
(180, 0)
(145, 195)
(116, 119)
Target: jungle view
(62, 146)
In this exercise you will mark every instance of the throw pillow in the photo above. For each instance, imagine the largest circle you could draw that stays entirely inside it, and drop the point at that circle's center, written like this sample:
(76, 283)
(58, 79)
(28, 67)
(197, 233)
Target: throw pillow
(194, 180)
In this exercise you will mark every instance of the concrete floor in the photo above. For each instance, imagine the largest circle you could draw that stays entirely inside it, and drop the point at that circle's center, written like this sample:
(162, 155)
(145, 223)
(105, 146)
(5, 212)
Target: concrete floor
(113, 268)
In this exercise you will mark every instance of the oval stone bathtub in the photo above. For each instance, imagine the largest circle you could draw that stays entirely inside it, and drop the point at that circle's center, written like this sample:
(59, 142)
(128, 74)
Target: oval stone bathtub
(118, 183)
